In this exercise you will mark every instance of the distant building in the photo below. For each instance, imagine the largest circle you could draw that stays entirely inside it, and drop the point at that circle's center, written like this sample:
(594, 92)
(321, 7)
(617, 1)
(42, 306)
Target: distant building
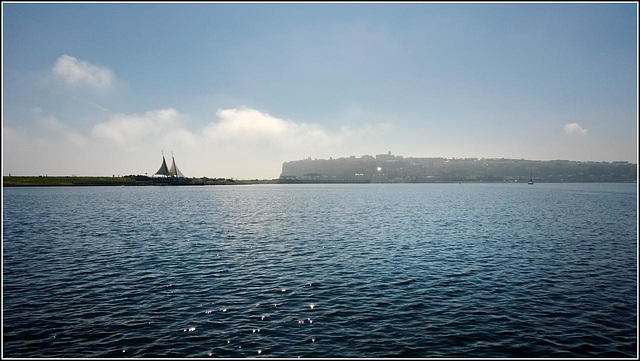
(312, 176)
(385, 157)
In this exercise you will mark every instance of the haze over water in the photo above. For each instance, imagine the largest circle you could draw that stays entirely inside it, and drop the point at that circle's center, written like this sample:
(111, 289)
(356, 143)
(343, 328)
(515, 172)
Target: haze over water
(373, 270)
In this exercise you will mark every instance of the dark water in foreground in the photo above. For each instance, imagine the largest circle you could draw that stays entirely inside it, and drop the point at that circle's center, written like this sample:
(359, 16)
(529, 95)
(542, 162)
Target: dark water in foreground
(411, 270)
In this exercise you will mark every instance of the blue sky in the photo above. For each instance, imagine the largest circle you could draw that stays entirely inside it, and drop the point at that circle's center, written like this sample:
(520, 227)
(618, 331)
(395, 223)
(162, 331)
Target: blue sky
(236, 89)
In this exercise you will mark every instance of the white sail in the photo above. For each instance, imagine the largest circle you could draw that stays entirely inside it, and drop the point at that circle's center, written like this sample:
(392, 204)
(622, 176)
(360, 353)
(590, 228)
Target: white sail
(163, 168)
(174, 171)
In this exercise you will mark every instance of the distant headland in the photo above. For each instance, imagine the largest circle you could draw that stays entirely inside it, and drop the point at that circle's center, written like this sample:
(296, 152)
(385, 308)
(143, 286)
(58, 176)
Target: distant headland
(388, 168)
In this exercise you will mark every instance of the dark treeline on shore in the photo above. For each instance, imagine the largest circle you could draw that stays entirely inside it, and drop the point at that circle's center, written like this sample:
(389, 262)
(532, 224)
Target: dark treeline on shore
(128, 180)
(390, 168)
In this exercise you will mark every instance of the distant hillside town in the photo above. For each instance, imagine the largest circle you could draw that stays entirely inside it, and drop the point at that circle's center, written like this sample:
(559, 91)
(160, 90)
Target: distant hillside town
(388, 168)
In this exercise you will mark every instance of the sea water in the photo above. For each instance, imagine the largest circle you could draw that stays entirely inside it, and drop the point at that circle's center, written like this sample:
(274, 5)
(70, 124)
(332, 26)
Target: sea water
(327, 270)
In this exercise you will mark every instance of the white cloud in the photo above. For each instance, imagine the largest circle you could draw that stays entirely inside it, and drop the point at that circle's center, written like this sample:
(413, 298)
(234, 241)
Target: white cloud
(52, 124)
(251, 125)
(76, 72)
(248, 122)
(237, 127)
(574, 129)
(164, 125)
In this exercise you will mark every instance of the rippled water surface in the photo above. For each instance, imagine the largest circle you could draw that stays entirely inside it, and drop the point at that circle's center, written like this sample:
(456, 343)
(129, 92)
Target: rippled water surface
(371, 270)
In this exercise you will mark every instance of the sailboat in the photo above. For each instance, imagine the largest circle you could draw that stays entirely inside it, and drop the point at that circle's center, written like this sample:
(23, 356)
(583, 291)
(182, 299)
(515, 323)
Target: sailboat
(531, 179)
(165, 171)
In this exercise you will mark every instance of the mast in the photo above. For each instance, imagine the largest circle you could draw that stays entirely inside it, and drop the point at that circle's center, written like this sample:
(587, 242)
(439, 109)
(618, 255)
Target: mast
(173, 166)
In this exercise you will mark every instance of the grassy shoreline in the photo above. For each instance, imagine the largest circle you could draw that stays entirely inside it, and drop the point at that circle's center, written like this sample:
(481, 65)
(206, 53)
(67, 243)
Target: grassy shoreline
(61, 181)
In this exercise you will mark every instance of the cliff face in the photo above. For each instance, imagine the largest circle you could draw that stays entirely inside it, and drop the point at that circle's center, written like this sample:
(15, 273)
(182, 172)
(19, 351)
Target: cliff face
(388, 168)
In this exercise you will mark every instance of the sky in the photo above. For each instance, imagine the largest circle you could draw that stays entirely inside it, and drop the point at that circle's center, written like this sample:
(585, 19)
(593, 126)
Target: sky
(235, 90)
